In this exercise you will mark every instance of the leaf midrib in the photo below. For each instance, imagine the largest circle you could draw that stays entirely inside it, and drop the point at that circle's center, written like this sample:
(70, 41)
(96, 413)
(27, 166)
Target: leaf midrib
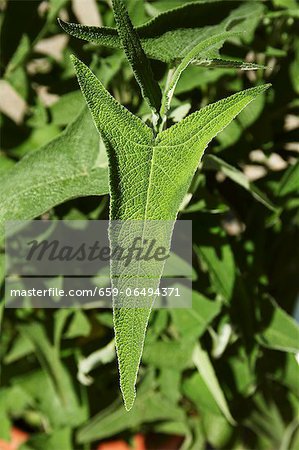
(155, 145)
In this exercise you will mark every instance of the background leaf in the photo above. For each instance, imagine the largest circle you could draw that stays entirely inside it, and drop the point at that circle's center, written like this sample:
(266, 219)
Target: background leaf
(68, 165)
(282, 332)
(136, 56)
(205, 368)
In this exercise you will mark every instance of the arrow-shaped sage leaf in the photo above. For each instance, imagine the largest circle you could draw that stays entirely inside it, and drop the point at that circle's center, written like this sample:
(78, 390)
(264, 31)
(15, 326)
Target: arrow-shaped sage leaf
(149, 177)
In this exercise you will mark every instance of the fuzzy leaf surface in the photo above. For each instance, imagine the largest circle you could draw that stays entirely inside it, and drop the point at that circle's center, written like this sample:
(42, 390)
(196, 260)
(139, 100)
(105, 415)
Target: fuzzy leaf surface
(203, 49)
(226, 64)
(63, 169)
(140, 64)
(161, 39)
(149, 177)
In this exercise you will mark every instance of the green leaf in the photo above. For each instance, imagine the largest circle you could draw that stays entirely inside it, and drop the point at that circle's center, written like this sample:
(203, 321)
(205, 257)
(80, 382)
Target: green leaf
(59, 438)
(5, 164)
(281, 332)
(266, 420)
(66, 108)
(200, 78)
(173, 354)
(136, 56)
(34, 333)
(203, 49)
(166, 39)
(98, 35)
(65, 168)
(193, 322)
(288, 435)
(122, 132)
(217, 430)
(79, 326)
(142, 167)
(226, 64)
(177, 429)
(15, 400)
(4, 418)
(21, 347)
(195, 389)
(19, 56)
(170, 381)
(136, 11)
(290, 181)
(290, 373)
(294, 67)
(200, 13)
(251, 114)
(218, 258)
(158, 323)
(2, 266)
(149, 407)
(38, 138)
(61, 317)
(65, 398)
(212, 162)
(199, 438)
(55, 7)
(167, 47)
(105, 318)
(285, 3)
(204, 366)
(15, 72)
(243, 375)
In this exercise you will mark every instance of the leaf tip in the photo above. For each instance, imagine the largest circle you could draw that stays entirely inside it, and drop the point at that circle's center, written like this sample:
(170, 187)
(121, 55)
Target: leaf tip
(128, 389)
(62, 23)
(258, 89)
(76, 62)
(266, 86)
(66, 26)
(129, 399)
(73, 58)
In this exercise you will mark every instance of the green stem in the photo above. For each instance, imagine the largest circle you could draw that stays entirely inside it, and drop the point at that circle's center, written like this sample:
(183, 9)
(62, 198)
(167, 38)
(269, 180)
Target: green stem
(165, 99)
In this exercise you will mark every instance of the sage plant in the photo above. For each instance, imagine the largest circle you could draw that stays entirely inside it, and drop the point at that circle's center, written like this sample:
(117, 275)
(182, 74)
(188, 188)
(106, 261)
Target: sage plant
(151, 166)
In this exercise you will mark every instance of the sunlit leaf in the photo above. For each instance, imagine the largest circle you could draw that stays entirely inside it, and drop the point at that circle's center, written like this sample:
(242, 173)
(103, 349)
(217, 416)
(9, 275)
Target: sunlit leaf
(138, 158)
(63, 169)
